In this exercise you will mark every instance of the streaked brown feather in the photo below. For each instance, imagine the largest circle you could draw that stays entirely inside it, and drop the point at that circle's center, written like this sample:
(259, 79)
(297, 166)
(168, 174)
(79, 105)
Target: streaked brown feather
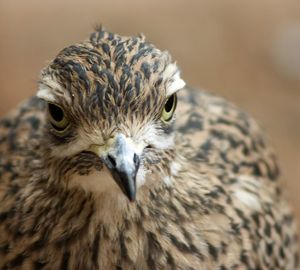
(224, 208)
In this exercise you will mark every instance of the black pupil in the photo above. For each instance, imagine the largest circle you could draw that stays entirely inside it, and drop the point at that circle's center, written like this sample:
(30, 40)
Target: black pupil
(56, 113)
(169, 104)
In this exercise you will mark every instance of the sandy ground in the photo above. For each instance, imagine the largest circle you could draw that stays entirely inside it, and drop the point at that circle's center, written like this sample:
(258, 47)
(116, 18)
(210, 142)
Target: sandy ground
(247, 51)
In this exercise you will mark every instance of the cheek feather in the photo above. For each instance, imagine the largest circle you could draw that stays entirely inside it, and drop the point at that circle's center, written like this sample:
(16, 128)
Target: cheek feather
(95, 182)
(153, 135)
(175, 168)
(141, 176)
(69, 149)
(81, 142)
(168, 181)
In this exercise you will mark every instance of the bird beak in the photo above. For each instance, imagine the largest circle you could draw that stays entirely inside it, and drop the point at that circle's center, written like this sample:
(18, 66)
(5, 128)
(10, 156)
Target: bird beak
(123, 161)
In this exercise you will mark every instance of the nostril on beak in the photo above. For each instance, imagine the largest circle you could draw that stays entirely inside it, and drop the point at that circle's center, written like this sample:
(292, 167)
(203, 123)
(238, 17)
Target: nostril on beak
(136, 160)
(112, 161)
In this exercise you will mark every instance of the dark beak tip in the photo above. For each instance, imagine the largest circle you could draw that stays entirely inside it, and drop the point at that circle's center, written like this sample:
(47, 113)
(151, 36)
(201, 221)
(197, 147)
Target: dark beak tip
(124, 178)
(126, 185)
(131, 196)
(132, 200)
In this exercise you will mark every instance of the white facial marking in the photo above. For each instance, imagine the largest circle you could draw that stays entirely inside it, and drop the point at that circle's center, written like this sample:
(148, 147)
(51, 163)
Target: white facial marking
(46, 94)
(156, 137)
(50, 86)
(175, 82)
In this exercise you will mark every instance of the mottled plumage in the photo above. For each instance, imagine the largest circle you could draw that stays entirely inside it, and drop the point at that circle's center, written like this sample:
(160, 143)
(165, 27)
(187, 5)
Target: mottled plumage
(114, 184)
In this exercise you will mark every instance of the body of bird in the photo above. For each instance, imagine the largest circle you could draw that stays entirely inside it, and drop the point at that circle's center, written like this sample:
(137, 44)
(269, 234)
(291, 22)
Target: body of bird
(96, 172)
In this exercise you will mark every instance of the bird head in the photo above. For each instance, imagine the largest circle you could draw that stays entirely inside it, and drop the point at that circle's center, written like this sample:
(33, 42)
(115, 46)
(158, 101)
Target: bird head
(110, 112)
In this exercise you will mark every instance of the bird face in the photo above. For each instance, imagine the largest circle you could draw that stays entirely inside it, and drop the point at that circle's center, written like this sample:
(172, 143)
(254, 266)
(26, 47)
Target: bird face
(110, 112)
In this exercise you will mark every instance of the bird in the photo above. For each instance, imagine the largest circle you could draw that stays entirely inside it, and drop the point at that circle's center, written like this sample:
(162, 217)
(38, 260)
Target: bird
(116, 163)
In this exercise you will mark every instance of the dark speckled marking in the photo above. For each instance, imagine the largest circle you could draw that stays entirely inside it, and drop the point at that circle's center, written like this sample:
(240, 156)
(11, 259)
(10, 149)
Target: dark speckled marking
(115, 83)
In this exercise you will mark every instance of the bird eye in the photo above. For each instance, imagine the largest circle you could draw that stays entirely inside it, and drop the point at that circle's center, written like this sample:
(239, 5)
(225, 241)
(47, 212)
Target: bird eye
(57, 118)
(169, 108)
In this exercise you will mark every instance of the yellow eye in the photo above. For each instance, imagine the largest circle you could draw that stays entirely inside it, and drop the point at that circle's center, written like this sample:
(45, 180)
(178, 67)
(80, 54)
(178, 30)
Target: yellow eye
(57, 118)
(169, 108)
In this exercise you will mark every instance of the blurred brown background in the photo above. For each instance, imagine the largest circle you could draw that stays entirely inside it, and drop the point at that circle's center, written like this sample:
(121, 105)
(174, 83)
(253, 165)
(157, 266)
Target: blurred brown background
(247, 51)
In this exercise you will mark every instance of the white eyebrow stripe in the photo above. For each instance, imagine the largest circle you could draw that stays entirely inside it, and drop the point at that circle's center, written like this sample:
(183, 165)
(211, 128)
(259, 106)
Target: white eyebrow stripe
(176, 85)
(45, 93)
(175, 82)
(48, 86)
